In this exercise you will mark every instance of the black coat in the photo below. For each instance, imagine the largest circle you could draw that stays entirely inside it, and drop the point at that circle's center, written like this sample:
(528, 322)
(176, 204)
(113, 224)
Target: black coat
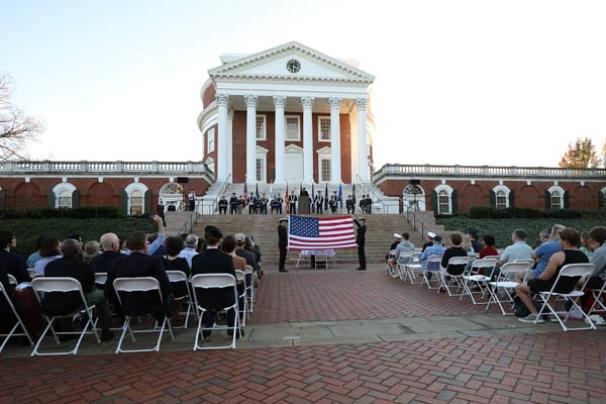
(14, 265)
(64, 303)
(136, 265)
(282, 237)
(102, 263)
(213, 261)
(361, 233)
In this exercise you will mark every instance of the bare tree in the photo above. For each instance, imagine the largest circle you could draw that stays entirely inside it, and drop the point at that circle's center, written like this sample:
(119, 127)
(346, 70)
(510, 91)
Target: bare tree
(16, 127)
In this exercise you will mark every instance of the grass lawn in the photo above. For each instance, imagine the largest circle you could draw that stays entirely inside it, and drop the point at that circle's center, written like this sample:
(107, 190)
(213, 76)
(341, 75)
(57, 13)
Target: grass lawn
(501, 228)
(28, 230)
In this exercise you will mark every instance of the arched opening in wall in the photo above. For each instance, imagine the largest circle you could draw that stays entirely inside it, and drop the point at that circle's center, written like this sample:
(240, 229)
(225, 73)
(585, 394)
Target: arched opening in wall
(172, 196)
(101, 194)
(136, 203)
(529, 197)
(414, 198)
(28, 196)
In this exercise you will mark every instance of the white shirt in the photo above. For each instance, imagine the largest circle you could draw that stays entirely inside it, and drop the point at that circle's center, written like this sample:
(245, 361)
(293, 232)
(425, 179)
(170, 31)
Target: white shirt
(188, 253)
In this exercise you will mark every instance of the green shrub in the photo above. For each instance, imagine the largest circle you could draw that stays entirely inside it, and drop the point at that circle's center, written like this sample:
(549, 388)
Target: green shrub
(483, 212)
(83, 212)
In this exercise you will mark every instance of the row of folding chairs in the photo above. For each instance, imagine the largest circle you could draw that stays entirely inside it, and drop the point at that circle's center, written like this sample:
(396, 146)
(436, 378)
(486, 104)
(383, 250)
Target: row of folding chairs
(86, 312)
(477, 279)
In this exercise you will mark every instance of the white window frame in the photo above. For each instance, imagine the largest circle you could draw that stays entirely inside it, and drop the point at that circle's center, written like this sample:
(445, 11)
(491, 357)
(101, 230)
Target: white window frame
(286, 138)
(603, 191)
(61, 188)
(210, 163)
(135, 186)
(320, 119)
(264, 130)
(506, 190)
(261, 154)
(210, 140)
(552, 190)
(449, 191)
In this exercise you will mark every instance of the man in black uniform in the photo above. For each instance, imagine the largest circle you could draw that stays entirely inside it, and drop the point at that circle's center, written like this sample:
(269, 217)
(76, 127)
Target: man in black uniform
(283, 242)
(368, 204)
(252, 204)
(160, 211)
(233, 204)
(263, 204)
(319, 203)
(361, 241)
(292, 201)
(334, 202)
(350, 204)
(223, 205)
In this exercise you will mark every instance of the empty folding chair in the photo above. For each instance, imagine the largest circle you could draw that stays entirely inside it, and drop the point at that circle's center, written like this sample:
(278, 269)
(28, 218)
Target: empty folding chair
(250, 288)
(241, 277)
(136, 285)
(432, 268)
(583, 271)
(474, 278)
(180, 284)
(43, 284)
(598, 305)
(403, 265)
(455, 264)
(18, 322)
(502, 289)
(215, 281)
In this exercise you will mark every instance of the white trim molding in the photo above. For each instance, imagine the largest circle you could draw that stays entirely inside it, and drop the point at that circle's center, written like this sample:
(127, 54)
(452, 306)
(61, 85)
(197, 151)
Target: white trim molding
(130, 188)
(448, 189)
(61, 188)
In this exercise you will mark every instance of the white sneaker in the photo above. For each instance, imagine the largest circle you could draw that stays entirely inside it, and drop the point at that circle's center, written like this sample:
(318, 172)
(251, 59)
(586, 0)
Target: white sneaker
(531, 318)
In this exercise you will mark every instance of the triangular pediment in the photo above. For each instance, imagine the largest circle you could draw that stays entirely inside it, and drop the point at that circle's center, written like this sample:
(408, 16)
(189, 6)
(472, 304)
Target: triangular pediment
(272, 65)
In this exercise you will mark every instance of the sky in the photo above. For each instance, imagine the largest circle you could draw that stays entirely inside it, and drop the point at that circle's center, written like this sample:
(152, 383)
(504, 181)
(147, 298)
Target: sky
(457, 82)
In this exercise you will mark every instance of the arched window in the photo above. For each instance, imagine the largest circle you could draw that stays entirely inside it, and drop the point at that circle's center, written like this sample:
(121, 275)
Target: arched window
(602, 199)
(502, 197)
(501, 200)
(136, 203)
(414, 198)
(556, 197)
(444, 203)
(64, 195)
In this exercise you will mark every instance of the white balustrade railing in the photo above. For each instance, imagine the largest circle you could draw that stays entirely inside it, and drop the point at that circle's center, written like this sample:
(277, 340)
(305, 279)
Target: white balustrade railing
(427, 170)
(104, 167)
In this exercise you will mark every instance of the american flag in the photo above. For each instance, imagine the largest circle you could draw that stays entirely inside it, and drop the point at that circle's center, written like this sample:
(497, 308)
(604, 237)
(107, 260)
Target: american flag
(325, 233)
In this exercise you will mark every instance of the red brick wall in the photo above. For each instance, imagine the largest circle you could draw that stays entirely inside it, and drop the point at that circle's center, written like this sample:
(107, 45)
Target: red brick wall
(209, 96)
(527, 196)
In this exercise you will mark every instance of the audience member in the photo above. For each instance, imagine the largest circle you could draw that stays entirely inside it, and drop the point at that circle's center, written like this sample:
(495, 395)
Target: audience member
(35, 256)
(435, 249)
(488, 250)
(405, 246)
(13, 263)
(519, 250)
(243, 252)
(71, 265)
(228, 246)
(474, 236)
(174, 262)
(569, 240)
(429, 240)
(543, 253)
(49, 251)
(110, 244)
(191, 244)
(91, 250)
(597, 244)
(456, 250)
(584, 244)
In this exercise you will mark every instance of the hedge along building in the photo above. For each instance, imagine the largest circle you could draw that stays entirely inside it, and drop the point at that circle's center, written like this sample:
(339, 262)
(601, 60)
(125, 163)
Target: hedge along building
(291, 114)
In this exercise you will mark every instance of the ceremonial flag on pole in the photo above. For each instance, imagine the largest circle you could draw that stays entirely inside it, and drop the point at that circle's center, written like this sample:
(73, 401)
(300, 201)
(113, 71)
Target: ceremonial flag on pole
(341, 196)
(257, 190)
(326, 197)
(321, 233)
(245, 193)
(286, 200)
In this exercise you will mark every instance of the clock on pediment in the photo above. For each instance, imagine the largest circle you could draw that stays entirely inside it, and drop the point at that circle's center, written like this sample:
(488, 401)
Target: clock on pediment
(293, 66)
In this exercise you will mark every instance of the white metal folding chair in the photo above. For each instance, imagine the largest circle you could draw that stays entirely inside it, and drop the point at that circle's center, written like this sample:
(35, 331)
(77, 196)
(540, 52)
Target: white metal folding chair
(502, 289)
(100, 279)
(241, 277)
(250, 288)
(140, 284)
(44, 284)
(216, 281)
(598, 305)
(176, 277)
(474, 277)
(391, 269)
(432, 268)
(568, 271)
(454, 262)
(404, 266)
(18, 322)
(31, 272)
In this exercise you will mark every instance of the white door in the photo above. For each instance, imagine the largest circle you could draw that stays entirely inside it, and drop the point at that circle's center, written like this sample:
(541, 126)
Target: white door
(293, 170)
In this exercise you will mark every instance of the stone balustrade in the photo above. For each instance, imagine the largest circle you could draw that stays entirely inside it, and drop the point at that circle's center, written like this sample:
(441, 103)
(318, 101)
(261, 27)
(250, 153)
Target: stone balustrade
(187, 168)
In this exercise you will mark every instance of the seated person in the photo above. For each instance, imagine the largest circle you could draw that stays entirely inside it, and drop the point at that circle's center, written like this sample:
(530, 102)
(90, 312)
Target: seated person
(228, 246)
(137, 264)
(405, 246)
(570, 240)
(488, 250)
(49, 251)
(35, 256)
(189, 250)
(456, 239)
(519, 250)
(543, 253)
(214, 261)
(110, 244)
(13, 263)
(174, 262)
(241, 251)
(596, 242)
(71, 265)
(436, 249)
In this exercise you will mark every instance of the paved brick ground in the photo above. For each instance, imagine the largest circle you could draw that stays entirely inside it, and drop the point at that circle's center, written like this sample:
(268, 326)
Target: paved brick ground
(349, 295)
(540, 368)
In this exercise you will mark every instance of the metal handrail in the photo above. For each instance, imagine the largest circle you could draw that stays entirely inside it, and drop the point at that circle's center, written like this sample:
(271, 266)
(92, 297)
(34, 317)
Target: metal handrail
(222, 187)
(368, 188)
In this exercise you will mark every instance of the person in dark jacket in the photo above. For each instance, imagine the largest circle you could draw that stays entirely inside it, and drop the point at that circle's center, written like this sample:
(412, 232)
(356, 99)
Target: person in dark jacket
(14, 264)
(213, 261)
(283, 243)
(173, 262)
(110, 244)
(137, 264)
(361, 241)
(456, 239)
(72, 266)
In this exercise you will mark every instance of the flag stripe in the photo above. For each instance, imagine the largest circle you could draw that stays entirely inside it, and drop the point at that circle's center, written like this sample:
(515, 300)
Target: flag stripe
(315, 233)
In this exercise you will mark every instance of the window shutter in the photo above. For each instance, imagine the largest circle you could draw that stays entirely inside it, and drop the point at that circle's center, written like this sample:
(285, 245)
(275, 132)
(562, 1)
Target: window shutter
(51, 199)
(76, 199)
(454, 202)
(547, 200)
(434, 202)
(493, 199)
(124, 206)
(147, 197)
(2, 198)
(601, 200)
(511, 199)
(566, 200)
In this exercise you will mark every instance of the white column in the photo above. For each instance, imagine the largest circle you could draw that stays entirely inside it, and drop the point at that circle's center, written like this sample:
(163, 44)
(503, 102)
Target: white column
(221, 164)
(335, 140)
(230, 141)
(362, 142)
(251, 138)
(279, 103)
(308, 153)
